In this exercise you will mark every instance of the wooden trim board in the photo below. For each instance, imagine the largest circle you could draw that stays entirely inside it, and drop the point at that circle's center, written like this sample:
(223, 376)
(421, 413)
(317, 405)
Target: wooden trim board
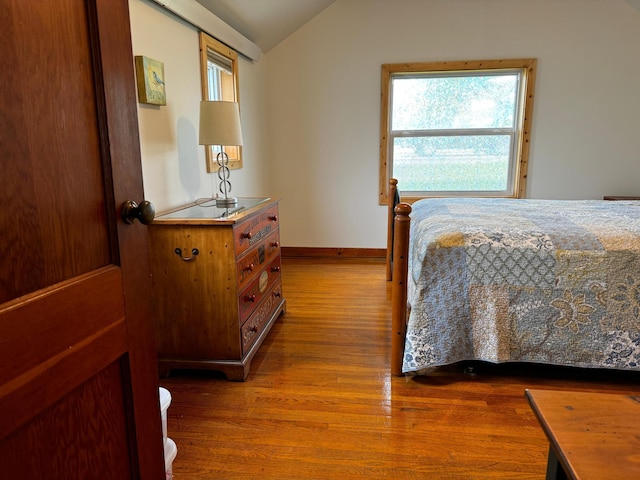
(334, 252)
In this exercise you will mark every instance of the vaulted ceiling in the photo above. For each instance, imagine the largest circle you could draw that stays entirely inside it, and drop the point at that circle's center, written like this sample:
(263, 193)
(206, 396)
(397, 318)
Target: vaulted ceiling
(634, 3)
(266, 22)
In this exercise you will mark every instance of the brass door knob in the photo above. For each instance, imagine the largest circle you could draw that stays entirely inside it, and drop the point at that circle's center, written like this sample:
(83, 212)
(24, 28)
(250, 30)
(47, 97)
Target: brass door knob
(145, 212)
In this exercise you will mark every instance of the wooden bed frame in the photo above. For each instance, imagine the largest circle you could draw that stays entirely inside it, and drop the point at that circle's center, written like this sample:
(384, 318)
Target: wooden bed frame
(397, 271)
(398, 255)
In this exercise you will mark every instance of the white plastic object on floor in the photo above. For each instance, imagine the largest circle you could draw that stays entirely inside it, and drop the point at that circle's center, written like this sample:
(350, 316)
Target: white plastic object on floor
(170, 452)
(165, 401)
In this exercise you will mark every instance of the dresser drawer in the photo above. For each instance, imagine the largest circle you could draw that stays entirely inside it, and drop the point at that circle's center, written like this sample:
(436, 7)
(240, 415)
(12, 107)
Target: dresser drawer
(251, 263)
(254, 229)
(252, 328)
(253, 295)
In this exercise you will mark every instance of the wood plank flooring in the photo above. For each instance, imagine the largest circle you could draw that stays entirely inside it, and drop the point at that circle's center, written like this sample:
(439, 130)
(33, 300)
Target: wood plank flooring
(320, 402)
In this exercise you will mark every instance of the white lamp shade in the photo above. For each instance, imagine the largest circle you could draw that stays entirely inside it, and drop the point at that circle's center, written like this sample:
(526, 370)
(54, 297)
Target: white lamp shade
(220, 123)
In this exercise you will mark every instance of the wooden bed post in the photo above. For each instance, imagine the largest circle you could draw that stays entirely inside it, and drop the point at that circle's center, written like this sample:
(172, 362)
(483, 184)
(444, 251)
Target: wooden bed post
(399, 287)
(393, 192)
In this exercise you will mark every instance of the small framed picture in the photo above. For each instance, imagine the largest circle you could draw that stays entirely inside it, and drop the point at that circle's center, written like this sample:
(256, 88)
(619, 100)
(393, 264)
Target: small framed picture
(150, 80)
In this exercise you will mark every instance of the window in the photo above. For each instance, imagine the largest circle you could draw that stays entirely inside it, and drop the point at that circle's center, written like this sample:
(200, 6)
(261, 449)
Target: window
(456, 128)
(219, 76)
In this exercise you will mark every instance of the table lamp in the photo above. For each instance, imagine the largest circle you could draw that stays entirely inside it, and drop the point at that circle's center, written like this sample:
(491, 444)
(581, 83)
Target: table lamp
(220, 126)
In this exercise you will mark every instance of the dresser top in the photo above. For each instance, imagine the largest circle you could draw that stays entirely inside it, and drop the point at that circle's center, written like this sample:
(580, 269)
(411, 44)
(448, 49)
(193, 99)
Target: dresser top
(205, 212)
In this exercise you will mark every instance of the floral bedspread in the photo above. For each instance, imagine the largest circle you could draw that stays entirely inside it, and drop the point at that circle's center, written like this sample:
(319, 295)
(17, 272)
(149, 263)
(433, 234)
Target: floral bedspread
(505, 280)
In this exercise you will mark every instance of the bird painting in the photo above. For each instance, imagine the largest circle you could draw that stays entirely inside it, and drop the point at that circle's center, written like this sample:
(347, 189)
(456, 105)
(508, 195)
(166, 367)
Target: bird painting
(150, 80)
(157, 80)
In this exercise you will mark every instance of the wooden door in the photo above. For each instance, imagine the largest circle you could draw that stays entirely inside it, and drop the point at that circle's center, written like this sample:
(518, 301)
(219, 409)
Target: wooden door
(78, 377)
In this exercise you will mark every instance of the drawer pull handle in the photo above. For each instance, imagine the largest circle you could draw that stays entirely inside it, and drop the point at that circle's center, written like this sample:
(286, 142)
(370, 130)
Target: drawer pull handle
(254, 329)
(250, 298)
(275, 269)
(275, 244)
(246, 235)
(273, 218)
(277, 294)
(249, 268)
(194, 253)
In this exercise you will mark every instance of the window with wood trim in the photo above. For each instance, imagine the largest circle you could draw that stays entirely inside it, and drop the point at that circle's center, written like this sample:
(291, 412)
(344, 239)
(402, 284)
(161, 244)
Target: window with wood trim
(219, 77)
(456, 128)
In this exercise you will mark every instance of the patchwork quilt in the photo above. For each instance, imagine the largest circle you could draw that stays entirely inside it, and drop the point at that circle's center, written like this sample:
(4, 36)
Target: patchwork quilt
(520, 280)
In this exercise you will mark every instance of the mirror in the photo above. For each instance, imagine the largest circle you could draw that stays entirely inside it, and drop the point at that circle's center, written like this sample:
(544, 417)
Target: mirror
(219, 78)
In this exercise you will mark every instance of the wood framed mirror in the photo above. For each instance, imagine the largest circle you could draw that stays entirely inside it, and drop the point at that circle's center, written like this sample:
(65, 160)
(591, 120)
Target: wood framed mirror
(219, 79)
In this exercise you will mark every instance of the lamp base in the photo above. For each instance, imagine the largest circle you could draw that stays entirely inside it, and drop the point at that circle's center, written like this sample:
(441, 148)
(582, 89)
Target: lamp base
(226, 202)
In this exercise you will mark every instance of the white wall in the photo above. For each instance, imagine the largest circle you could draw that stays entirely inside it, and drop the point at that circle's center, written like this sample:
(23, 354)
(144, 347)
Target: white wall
(173, 163)
(324, 101)
(311, 106)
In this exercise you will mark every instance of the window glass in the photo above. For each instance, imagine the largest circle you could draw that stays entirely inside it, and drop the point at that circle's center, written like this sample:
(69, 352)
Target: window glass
(458, 164)
(444, 102)
(456, 129)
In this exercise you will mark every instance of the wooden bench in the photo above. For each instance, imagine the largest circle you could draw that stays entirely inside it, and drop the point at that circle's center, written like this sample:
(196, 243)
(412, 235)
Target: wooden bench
(591, 435)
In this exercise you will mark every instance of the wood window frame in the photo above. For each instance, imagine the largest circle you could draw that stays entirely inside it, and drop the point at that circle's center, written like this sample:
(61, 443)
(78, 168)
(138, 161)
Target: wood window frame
(230, 92)
(522, 160)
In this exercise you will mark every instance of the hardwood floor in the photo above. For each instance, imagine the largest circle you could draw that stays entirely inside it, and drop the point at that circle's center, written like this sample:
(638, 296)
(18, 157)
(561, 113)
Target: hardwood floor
(320, 402)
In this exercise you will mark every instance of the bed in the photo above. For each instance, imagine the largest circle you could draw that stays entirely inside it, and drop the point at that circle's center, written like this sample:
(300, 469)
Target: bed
(514, 280)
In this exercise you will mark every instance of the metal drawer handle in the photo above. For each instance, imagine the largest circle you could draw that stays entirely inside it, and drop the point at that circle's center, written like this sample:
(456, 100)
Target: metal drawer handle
(194, 253)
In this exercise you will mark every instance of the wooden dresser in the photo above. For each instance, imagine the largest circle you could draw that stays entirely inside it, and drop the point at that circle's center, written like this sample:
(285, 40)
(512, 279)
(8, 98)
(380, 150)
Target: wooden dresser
(216, 284)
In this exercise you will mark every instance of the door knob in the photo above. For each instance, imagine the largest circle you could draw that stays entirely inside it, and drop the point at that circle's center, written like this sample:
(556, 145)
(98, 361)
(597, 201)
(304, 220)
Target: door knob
(145, 212)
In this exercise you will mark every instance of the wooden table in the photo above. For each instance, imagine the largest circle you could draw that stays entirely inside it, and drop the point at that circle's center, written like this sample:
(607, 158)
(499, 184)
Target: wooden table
(591, 435)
